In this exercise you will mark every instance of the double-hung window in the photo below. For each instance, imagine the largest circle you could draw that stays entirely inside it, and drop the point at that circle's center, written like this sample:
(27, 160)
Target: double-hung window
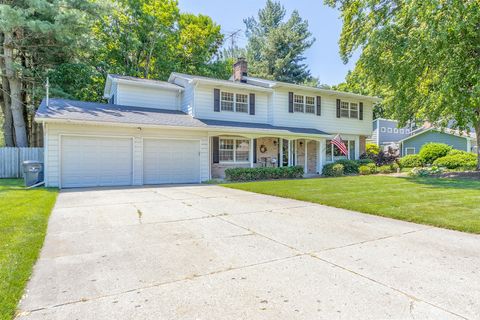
(234, 102)
(227, 101)
(349, 110)
(234, 150)
(298, 103)
(309, 104)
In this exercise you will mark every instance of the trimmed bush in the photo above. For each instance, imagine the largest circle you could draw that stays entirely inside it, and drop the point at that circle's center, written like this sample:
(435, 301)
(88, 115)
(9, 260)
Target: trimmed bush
(372, 148)
(411, 161)
(367, 169)
(333, 169)
(349, 166)
(432, 151)
(362, 162)
(462, 159)
(252, 174)
(386, 169)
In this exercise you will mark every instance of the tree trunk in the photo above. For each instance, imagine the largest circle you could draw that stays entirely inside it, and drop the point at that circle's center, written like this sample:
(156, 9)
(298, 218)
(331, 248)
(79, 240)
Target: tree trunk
(16, 105)
(5, 103)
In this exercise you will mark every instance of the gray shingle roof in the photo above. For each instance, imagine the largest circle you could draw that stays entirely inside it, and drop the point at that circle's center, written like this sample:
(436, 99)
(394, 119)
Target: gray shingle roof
(61, 109)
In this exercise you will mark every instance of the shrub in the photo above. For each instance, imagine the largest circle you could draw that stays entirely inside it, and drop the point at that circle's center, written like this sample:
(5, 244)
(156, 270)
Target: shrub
(370, 168)
(386, 169)
(382, 158)
(333, 169)
(425, 172)
(372, 149)
(457, 160)
(432, 151)
(252, 174)
(411, 161)
(349, 166)
(362, 162)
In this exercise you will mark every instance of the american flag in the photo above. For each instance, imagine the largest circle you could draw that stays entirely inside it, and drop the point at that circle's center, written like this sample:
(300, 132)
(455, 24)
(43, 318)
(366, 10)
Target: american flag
(338, 142)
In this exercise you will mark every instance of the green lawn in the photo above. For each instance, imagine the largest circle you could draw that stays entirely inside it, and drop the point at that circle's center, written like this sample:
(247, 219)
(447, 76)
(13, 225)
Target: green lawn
(23, 222)
(447, 203)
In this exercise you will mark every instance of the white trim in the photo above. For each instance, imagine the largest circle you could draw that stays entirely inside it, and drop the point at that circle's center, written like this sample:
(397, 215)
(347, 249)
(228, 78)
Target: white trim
(305, 156)
(60, 150)
(407, 148)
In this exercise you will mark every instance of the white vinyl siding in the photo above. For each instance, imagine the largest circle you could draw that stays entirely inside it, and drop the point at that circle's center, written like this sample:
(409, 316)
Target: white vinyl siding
(148, 97)
(204, 105)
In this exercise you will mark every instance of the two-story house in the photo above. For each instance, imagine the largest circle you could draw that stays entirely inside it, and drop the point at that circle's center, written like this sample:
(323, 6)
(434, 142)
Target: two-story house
(191, 128)
(387, 133)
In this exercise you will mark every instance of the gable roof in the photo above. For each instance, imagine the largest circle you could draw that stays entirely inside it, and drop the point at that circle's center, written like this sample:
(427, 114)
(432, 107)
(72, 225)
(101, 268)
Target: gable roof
(62, 110)
(446, 131)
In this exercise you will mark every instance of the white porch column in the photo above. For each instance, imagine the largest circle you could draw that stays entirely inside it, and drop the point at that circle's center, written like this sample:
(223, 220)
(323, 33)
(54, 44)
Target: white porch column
(280, 145)
(251, 152)
(289, 152)
(305, 166)
(320, 156)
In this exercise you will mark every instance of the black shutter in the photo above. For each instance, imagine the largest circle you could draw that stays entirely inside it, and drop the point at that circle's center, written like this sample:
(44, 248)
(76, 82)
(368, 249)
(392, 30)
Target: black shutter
(254, 150)
(252, 103)
(338, 108)
(290, 102)
(361, 111)
(319, 106)
(215, 147)
(216, 100)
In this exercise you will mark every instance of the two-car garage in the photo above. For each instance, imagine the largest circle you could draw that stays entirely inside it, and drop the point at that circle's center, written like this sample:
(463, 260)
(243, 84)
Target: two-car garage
(91, 161)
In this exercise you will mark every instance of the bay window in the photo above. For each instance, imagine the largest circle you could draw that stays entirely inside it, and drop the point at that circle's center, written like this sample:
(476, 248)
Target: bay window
(234, 150)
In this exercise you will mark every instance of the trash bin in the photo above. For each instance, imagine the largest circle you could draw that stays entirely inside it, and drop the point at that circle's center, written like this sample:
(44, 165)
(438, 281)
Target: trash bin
(32, 172)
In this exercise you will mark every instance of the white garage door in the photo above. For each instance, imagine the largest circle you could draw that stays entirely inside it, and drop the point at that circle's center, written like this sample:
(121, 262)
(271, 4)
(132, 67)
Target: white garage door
(171, 161)
(96, 161)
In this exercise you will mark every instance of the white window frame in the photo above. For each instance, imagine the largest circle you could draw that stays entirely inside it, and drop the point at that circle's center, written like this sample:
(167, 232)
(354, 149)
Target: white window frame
(407, 131)
(304, 104)
(234, 161)
(395, 130)
(234, 102)
(332, 158)
(402, 131)
(390, 130)
(410, 148)
(349, 108)
(383, 129)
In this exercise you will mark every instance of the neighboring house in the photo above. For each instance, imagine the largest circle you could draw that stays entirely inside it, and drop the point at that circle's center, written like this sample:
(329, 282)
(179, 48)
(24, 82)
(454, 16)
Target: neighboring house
(387, 133)
(191, 128)
(422, 136)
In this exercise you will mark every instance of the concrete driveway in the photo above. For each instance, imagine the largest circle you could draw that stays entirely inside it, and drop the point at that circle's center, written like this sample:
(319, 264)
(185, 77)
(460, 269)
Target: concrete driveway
(207, 252)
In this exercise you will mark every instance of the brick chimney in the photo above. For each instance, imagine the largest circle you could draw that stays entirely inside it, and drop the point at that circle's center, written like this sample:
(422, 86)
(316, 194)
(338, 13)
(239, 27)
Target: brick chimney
(240, 70)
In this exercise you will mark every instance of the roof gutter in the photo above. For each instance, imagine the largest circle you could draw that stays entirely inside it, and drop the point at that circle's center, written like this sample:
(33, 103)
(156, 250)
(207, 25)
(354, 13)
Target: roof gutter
(266, 132)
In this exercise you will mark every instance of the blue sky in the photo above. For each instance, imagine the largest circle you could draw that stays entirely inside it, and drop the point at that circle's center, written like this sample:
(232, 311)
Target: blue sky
(324, 23)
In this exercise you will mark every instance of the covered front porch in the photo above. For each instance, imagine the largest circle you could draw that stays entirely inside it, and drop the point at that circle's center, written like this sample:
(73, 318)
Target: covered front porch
(246, 151)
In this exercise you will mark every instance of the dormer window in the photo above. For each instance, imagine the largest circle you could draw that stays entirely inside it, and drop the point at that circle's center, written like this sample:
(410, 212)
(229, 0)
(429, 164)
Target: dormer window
(234, 102)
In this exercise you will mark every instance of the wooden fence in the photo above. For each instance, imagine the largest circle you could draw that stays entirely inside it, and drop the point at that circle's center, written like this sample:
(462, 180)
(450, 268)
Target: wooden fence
(11, 160)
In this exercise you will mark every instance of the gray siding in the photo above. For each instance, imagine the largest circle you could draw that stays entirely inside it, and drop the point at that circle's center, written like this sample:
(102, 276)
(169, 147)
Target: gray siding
(417, 142)
(388, 137)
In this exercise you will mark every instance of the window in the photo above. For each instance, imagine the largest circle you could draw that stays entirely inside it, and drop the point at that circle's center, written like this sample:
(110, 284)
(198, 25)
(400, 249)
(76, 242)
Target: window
(409, 150)
(309, 104)
(234, 150)
(349, 110)
(395, 130)
(354, 110)
(241, 104)
(334, 154)
(402, 131)
(383, 129)
(227, 101)
(390, 130)
(234, 102)
(298, 103)
(407, 131)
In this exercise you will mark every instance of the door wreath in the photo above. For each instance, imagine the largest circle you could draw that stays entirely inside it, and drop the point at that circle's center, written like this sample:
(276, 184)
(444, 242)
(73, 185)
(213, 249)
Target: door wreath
(263, 149)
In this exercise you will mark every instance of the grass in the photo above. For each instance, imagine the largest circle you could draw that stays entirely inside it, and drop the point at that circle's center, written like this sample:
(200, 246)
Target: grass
(446, 203)
(23, 223)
